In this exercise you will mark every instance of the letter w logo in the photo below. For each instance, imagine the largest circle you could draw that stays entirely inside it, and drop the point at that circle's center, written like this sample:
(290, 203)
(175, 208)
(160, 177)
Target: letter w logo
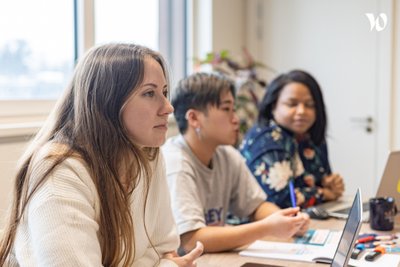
(376, 22)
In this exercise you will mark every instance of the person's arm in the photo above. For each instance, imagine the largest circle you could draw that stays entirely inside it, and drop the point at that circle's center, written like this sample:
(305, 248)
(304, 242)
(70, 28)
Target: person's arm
(332, 183)
(310, 194)
(61, 220)
(282, 224)
(320, 185)
(333, 186)
(264, 210)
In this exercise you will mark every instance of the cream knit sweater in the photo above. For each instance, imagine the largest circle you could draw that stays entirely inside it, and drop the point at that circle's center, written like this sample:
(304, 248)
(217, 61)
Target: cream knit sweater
(60, 225)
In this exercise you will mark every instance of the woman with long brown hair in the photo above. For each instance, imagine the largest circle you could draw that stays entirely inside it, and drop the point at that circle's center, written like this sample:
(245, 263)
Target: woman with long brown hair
(91, 189)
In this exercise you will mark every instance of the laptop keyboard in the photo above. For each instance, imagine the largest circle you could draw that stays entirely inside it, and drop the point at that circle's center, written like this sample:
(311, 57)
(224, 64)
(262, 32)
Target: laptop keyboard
(347, 210)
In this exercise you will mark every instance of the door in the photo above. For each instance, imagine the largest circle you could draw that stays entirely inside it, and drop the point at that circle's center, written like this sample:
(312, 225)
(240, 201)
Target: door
(333, 40)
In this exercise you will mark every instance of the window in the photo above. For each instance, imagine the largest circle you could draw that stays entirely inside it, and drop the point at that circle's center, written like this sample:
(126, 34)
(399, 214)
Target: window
(36, 48)
(40, 39)
(158, 24)
(133, 21)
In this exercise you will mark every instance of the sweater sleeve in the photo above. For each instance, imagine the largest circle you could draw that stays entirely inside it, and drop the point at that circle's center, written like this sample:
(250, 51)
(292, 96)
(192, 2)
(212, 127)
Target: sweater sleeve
(61, 220)
(163, 232)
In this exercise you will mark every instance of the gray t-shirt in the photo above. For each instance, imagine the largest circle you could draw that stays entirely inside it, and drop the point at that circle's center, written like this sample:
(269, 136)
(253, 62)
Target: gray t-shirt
(202, 196)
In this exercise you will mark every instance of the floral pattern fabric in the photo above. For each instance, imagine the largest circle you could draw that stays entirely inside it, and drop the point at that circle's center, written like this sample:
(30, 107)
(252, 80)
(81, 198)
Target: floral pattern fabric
(275, 157)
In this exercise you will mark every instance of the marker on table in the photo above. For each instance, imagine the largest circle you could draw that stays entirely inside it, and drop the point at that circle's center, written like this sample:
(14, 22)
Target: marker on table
(356, 252)
(366, 239)
(365, 245)
(374, 254)
(374, 237)
(366, 234)
(292, 194)
(385, 242)
(385, 237)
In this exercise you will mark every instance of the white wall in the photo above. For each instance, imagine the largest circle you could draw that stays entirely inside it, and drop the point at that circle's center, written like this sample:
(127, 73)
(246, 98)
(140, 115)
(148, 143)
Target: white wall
(9, 155)
(355, 66)
(15, 133)
(229, 25)
(258, 43)
(395, 137)
(349, 56)
(225, 29)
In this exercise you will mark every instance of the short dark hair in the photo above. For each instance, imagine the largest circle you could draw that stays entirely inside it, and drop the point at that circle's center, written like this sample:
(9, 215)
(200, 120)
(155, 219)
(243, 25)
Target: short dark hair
(198, 91)
(318, 130)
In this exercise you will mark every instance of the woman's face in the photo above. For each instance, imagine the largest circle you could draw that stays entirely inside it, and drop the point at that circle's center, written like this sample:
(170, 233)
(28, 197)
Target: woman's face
(145, 114)
(295, 108)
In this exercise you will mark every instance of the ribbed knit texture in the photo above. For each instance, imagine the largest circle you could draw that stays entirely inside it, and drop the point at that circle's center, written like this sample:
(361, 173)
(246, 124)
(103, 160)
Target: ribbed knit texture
(60, 225)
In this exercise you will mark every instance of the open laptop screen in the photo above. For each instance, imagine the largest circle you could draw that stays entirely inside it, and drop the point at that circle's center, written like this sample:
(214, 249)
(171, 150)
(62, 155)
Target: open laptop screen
(388, 186)
(350, 233)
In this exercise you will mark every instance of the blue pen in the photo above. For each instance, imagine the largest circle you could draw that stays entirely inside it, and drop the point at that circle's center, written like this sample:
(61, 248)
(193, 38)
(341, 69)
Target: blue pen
(292, 194)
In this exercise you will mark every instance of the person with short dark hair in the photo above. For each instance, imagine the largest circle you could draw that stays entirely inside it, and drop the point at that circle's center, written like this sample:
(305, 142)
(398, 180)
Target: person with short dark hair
(288, 143)
(208, 177)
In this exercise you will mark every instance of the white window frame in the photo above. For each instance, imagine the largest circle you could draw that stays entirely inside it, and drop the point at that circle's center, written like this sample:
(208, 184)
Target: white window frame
(24, 117)
(173, 36)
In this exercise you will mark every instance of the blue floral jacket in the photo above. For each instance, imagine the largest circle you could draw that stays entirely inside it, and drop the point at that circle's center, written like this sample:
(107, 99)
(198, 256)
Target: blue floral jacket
(274, 156)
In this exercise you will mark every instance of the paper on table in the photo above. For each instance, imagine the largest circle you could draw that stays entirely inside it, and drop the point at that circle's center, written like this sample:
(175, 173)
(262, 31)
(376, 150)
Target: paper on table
(293, 251)
(317, 237)
(288, 251)
(302, 252)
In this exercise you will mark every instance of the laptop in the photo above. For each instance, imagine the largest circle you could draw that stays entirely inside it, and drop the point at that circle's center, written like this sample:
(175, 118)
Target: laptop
(389, 186)
(335, 254)
(349, 235)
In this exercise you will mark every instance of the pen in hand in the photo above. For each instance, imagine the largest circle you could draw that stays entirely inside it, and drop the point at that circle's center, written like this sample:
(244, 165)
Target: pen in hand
(292, 194)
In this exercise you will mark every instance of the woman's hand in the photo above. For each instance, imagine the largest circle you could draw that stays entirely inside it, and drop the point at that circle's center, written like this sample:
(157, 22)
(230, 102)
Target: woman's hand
(188, 259)
(333, 186)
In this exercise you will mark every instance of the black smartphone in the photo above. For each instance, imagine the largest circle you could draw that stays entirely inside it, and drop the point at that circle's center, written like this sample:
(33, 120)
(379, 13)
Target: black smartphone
(253, 264)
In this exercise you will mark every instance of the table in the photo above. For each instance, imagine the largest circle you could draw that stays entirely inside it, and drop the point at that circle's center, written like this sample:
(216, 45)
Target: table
(232, 259)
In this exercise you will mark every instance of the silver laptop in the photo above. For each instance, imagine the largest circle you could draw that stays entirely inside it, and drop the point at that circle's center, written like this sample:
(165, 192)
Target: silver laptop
(349, 235)
(388, 187)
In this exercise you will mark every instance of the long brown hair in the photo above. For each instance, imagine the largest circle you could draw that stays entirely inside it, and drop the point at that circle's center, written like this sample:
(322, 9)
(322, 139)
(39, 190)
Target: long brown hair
(87, 121)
